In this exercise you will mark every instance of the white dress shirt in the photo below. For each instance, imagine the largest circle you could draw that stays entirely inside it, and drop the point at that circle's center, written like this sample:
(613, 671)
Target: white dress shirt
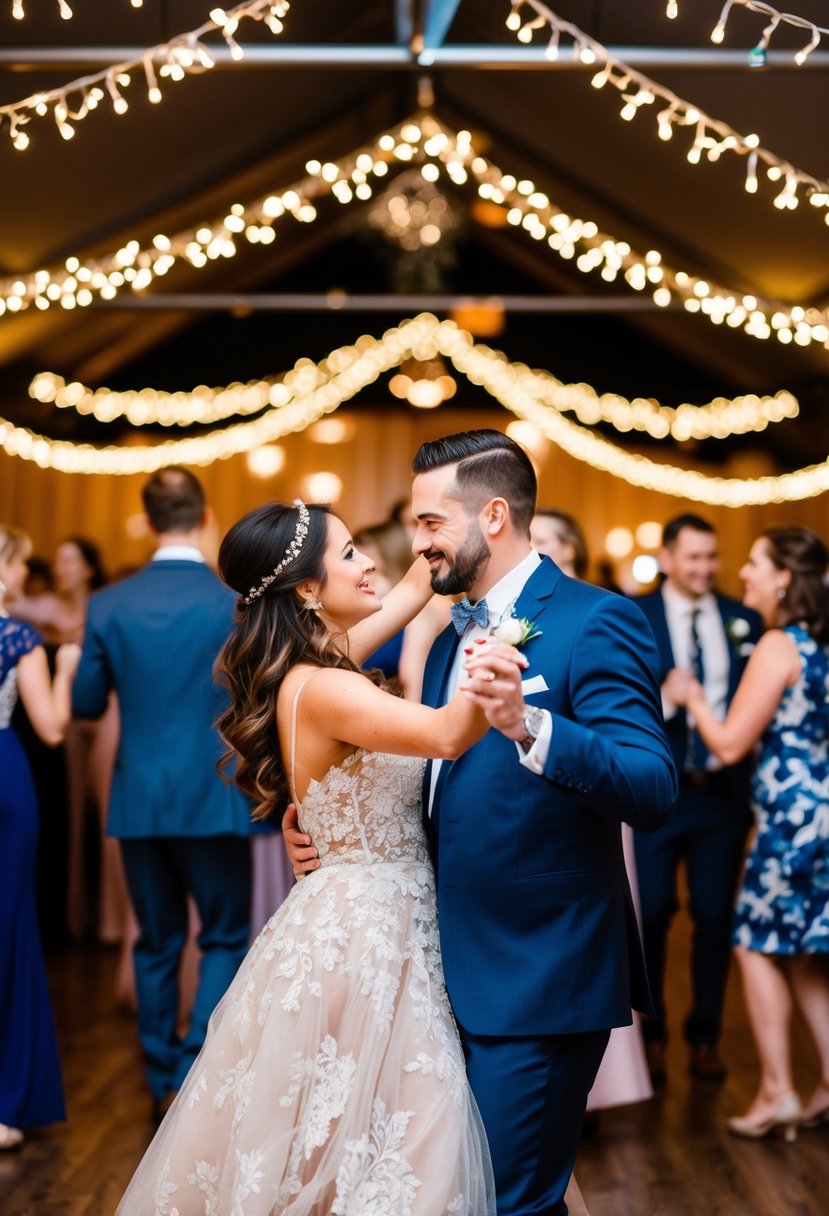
(178, 553)
(498, 600)
(713, 643)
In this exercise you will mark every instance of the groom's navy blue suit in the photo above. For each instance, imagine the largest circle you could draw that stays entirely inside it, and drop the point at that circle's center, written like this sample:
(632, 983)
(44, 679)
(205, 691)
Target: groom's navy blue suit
(538, 934)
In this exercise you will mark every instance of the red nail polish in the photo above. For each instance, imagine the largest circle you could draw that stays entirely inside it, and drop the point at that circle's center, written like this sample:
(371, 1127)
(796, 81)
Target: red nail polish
(467, 650)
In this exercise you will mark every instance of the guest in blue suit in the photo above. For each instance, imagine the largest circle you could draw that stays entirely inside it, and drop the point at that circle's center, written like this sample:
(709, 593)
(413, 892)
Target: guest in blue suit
(539, 939)
(153, 638)
(701, 631)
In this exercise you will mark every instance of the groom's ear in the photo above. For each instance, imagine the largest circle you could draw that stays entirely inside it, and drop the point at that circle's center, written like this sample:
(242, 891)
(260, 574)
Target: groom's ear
(496, 516)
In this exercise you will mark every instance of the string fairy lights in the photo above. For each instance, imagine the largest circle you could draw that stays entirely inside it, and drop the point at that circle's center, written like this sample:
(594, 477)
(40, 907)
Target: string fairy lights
(711, 137)
(421, 140)
(775, 19)
(717, 419)
(18, 11)
(349, 369)
(184, 55)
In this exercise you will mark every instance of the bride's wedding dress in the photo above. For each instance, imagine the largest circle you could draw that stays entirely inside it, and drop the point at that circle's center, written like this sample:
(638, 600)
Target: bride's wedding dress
(332, 1080)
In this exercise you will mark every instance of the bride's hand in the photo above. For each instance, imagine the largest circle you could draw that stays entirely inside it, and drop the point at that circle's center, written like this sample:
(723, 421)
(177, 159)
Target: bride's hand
(302, 854)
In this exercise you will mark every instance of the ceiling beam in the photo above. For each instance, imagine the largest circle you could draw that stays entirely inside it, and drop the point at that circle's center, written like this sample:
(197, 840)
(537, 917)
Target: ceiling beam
(337, 301)
(438, 16)
(256, 55)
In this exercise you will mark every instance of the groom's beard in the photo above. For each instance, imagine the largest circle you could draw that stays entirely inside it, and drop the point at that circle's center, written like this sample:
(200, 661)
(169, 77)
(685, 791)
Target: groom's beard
(464, 569)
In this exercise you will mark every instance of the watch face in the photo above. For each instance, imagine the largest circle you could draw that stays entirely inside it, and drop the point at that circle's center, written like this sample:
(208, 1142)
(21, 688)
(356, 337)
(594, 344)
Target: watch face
(533, 720)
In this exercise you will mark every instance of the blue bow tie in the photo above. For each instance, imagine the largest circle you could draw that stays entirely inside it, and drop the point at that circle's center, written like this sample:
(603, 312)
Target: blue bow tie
(464, 612)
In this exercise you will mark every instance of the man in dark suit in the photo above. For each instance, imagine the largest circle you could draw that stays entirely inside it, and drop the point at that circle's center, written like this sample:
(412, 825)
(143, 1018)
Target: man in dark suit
(153, 638)
(696, 629)
(539, 939)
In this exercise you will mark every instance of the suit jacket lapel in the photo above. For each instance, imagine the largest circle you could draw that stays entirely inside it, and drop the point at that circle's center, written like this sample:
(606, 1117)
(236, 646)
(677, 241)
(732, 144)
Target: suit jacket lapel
(660, 631)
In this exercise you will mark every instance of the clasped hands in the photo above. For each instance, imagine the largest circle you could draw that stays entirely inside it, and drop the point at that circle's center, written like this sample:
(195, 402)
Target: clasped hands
(681, 688)
(493, 683)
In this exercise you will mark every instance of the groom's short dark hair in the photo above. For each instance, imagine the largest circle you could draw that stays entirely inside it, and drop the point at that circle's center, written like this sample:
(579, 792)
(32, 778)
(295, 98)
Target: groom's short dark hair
(490, 465)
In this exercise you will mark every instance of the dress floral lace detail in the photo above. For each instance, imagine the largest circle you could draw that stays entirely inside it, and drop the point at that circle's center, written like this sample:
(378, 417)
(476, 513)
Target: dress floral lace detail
(332, 1079)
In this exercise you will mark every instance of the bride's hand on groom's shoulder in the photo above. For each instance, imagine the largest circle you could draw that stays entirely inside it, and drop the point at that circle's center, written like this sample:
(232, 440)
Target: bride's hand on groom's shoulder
(301, 852)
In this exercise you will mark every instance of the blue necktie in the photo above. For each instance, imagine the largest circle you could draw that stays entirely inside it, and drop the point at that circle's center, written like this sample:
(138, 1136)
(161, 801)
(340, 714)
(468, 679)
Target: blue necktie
(464, 612)
(697, 751)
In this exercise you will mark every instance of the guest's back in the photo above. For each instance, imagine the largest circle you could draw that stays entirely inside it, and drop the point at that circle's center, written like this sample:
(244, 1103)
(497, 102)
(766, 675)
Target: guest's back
(154, 637)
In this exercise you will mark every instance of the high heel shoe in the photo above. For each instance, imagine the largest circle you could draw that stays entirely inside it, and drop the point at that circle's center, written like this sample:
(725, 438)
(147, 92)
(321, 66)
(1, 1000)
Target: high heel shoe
(10, 1137)
(817, 1120)
(784, 1118)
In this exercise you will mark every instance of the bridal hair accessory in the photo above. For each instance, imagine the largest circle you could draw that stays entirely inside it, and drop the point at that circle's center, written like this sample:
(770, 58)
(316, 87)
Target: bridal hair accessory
(300, 532)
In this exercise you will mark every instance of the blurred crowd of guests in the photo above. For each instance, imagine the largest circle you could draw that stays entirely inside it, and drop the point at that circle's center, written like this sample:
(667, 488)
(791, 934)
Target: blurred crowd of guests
(141, 844)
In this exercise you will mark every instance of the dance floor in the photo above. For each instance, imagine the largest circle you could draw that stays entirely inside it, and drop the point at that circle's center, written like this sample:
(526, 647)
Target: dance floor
(667, 1157)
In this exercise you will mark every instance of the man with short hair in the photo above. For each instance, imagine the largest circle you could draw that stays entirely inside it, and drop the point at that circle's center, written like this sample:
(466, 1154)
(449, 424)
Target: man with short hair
(540, 946)
(153, 638)
(701, 631)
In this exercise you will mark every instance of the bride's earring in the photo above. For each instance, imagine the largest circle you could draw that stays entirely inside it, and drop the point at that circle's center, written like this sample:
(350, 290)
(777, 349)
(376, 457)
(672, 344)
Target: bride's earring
(310, 605)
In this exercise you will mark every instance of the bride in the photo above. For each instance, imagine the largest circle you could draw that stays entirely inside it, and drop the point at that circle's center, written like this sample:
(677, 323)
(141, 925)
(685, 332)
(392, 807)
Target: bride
(332, 1079)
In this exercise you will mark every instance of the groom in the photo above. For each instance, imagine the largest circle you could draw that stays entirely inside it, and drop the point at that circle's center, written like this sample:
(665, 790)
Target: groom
(539, 940)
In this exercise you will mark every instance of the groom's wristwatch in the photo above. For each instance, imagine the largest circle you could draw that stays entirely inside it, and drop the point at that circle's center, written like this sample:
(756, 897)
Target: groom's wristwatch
(533, 722)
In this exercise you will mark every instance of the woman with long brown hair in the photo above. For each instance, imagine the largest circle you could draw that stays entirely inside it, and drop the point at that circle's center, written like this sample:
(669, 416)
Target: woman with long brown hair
(781, 930)
(332, 1078)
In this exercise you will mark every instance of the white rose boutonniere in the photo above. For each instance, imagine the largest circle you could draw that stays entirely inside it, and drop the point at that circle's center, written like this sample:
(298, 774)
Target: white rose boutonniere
(513, 630)
(738, 629)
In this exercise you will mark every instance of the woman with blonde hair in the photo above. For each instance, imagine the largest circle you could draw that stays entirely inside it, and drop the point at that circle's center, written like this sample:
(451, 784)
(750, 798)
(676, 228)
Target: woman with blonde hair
(31, 1093)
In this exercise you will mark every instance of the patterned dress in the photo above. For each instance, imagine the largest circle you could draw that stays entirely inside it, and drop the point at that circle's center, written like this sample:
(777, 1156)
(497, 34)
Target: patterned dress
(783, 905)
(31, 1091)
(332, 1081)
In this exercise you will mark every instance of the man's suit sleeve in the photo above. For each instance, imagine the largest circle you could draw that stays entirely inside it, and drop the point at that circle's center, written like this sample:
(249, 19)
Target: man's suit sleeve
(93, 681)
(613, 751)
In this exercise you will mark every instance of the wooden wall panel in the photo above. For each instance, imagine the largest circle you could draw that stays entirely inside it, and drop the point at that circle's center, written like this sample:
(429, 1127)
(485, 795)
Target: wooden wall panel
(374, 468)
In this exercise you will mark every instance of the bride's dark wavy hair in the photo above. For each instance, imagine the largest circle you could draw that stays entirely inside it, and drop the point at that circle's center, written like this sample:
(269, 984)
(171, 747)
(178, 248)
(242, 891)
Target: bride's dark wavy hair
(271, 635)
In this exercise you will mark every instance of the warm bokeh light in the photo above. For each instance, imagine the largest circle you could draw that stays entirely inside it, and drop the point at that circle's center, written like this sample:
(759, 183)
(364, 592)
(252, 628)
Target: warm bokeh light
(332, 431)
(649, 534)
(322, 487)
(618, 542)
(645, 568)
(266, 461)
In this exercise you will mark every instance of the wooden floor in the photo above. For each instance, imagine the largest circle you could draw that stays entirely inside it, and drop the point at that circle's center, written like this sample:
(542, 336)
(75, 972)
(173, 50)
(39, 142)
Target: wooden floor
(667, 1157)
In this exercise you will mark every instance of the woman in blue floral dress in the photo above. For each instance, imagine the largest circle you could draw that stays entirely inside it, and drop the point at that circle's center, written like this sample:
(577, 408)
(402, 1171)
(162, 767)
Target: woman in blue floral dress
(31, 1093)
(781, 931)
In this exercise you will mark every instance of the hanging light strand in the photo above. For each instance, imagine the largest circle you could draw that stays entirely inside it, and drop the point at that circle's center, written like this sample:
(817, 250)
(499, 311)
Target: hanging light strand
(18, 11)
(711, 137)
(423, 140)
(184, 55)
(717, 419)
(420, 338)
(775, 19)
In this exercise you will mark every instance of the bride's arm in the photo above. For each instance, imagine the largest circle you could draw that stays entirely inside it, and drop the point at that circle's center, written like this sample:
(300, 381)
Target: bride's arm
(400, 605)
(345, 707)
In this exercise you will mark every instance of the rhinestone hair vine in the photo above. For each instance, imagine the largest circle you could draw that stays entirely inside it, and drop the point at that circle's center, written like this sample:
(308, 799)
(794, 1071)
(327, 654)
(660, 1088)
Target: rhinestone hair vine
(300, 532)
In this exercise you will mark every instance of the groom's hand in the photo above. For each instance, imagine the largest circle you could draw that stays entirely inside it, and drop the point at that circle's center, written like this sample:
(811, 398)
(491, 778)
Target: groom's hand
(301, 853)
(494, 684)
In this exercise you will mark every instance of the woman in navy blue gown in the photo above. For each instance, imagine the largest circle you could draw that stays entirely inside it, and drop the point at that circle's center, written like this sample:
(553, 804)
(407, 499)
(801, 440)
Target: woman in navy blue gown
(31, 1092)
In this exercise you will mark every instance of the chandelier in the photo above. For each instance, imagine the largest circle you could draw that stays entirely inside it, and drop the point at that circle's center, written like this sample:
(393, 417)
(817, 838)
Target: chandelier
(412, 213)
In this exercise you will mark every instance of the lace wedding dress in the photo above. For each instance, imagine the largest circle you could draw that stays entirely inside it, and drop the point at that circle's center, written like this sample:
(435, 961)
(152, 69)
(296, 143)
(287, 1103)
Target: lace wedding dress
(332, 1081)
